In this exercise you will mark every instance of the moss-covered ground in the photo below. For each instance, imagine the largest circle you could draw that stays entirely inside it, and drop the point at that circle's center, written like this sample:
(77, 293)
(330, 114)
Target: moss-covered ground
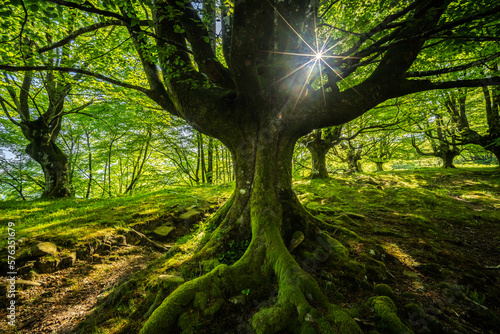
(407, 251)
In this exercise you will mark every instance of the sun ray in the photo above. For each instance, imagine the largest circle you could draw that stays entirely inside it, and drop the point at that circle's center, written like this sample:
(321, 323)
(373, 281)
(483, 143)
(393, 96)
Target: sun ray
(337, 72)
(291, 53)
(288, 24)
(304, 85)
(297, 69)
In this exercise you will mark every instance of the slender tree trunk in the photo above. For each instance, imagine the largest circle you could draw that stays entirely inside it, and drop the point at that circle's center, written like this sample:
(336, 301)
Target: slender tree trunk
(210, 161)
(198, 158)
(89, 184)
(203, 165)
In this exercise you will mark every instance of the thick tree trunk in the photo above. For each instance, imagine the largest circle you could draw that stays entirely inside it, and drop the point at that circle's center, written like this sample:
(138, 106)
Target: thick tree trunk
(354, 165)
(380, 166)
(318, 157)
(51, 158)
(495, 149)
(265, 210)
(54, 164)
(448, 156)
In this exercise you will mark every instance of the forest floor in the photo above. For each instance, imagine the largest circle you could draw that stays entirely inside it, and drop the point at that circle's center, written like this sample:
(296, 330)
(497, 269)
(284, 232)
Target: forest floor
(429, 239)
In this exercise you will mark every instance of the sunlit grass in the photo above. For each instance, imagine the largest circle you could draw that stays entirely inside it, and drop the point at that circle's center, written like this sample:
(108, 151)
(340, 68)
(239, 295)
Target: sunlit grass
(73, 220)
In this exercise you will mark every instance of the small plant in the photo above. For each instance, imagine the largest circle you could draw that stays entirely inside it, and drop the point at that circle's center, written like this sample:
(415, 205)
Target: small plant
(245, 292)
(235, 251)
(477, 297)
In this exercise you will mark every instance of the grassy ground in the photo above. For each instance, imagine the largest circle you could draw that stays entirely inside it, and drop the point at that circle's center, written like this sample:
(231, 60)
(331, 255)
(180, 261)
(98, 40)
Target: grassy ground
(428, 239)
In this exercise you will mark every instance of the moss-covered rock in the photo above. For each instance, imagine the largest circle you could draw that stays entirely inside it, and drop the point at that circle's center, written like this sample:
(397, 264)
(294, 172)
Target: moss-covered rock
(384, 290)
(386, 311)
(333, 247)
(163, 231)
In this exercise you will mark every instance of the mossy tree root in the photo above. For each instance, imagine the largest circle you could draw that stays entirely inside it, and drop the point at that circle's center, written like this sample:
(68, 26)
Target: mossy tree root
(265, 207)
(164, 319)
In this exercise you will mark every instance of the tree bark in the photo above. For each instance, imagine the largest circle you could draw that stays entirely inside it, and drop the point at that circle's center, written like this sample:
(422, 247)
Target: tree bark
(264, 208)
(318, 157)
(380, 166)
(51, 158)
(448, 155)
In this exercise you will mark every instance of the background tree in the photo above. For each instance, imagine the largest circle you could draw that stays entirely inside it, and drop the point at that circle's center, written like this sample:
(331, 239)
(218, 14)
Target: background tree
(443, 143)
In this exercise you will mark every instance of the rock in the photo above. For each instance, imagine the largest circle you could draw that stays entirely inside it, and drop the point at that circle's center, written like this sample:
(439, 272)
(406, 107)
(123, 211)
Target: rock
(67, 261)
(44, 249)
(190, 216)
(384, 290)
(46, 266)
(297, 239)
(26, 269)
(163, 231)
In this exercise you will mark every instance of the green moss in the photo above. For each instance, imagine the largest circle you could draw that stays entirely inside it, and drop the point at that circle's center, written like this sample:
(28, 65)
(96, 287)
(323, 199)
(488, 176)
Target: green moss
(333, 247)
(355, 268)
(214, 307)
(344, 219)
(342, 320)
(386, 311)
(200, 299)
(384, 290)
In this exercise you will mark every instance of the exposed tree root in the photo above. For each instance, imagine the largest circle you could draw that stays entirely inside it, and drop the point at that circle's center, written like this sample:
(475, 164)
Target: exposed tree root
(300, 306)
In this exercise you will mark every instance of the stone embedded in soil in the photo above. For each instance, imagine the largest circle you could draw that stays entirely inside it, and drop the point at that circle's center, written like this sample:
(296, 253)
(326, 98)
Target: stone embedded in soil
(67, 261)
(46, 266)
(190, 216)
(384, 290)
(44, 249)
(163, 231)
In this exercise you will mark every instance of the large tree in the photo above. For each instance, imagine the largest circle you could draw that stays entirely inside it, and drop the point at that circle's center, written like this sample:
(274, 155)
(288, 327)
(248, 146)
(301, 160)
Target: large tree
(288, 67)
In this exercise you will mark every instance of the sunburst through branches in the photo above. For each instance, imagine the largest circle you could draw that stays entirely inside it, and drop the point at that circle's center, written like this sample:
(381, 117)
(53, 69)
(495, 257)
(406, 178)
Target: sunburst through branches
(317, 58)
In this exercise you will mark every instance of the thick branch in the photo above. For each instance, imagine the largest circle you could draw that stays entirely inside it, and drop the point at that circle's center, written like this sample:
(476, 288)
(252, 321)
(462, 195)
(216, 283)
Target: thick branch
(452, 69)
(71, 36)
(199, 39)
(89, 8)
(73, 70)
